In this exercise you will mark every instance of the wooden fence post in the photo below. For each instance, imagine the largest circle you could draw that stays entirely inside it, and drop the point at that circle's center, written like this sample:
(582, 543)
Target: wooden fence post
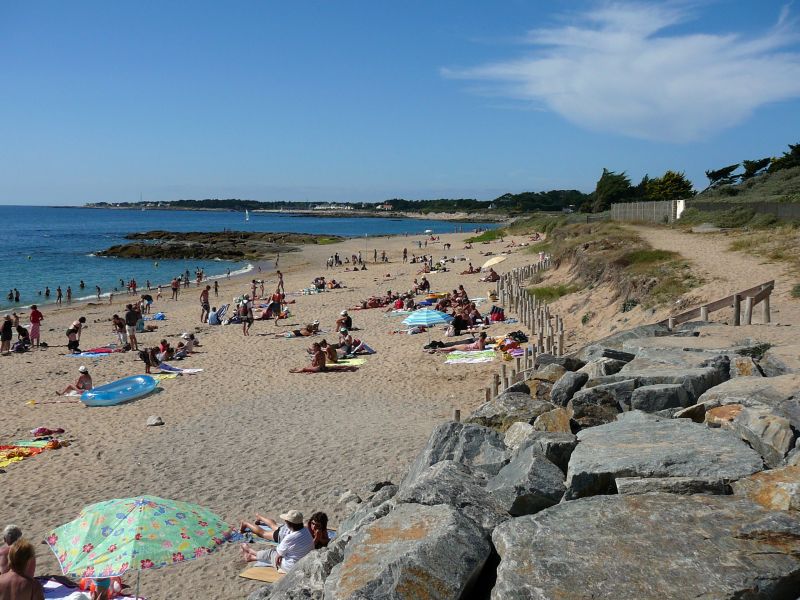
(765, 315)
(737, 310)
(456, 415)
(704, 313)
(748, 310)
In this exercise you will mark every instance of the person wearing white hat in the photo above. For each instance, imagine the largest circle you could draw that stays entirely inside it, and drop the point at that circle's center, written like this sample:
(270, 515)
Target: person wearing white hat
(83, 383)
(344, 321)
(294, 541)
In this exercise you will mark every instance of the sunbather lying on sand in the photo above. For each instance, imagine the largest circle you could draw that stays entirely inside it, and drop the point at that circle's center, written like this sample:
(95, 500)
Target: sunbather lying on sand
(479, 344)
(310, 329)
(318, 363)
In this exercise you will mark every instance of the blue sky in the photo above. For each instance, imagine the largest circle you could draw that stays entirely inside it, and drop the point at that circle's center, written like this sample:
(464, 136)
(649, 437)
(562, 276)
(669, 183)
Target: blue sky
(370, 100)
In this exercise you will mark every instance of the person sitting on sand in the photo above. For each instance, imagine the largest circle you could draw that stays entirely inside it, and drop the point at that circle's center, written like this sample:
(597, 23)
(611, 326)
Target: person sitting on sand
(268, 529)
(295, 542)
(305, 331)
(479, 344)
(424, 285)
(331, 357)
(470, 270)
(318, 361)
(318, 526)
(83, 383)
(18, 581)
(344, 320)
(165, 351)
(189, 342)
(491, 276)
(11, 534)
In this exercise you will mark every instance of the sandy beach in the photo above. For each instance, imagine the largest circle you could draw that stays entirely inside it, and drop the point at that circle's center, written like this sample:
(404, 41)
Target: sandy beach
(245, 435)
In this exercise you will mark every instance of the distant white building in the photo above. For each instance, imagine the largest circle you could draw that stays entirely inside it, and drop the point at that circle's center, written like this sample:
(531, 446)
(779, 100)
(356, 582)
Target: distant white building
(384, 206)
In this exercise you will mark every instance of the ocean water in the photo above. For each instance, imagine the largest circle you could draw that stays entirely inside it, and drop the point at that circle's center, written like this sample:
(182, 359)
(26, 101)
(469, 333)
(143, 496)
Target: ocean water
(43, 246)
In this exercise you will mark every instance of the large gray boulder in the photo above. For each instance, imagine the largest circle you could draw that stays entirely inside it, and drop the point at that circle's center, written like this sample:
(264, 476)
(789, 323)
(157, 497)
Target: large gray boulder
(415, 551)
(479, 448)
(652, 398)
(651, 547)
(566, 386)
(601, 404)
(508, 408)
(602, 366)
(655, 448)
(570, 363)
(528, 483)
(695, 380)
(778, 489)
(780, 394)
(555, 446)
(615, 341)
(451, 483)
(379, 505)
(771, 435)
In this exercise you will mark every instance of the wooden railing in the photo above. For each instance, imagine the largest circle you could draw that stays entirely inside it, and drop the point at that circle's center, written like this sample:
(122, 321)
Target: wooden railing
(741, 315)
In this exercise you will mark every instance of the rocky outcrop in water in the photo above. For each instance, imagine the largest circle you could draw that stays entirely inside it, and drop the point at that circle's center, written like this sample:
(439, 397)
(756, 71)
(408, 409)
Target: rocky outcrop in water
(226, 245)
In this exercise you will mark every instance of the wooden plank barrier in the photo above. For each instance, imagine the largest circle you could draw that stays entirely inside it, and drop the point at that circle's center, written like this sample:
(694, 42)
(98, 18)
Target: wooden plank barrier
(753, 296)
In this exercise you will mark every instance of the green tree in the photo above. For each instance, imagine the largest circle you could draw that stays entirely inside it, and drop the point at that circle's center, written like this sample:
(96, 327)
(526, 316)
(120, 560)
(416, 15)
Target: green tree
(611, 187)
(670, 186)
(754, 167)
(723, 176)
(788, 160)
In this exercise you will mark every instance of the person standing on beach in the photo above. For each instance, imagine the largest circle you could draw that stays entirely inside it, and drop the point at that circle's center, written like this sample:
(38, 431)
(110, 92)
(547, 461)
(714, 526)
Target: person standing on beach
(131, 318)
(280, 283)
(69, 294)
(246, 315)
(119, 327)
(216, 289)
(375, 255)
(36, 321)
(405, 255)
(175, 287)
(58, 295)
(158, 292)
(277, 259)
(6, 333)
(97, 289)
(205, 306)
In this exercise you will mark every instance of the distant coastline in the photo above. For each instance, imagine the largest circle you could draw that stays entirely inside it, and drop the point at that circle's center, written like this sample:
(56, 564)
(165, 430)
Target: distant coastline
(458, 217)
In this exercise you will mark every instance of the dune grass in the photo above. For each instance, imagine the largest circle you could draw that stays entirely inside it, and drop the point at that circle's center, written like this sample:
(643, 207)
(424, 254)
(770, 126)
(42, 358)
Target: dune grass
(551, 293)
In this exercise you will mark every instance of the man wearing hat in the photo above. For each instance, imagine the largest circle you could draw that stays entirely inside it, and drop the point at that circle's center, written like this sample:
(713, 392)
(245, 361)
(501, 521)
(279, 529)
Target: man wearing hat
(294, 541)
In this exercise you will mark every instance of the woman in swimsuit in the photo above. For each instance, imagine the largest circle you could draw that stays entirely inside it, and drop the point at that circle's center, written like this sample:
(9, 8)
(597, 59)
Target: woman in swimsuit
(479, 344)
(83, 383)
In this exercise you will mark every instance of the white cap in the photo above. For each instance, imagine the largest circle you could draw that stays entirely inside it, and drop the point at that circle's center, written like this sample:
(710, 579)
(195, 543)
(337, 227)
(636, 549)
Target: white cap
(83, 369)
(343, 313)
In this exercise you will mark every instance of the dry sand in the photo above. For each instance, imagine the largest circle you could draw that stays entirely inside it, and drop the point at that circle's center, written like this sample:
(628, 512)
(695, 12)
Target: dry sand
(245, 435)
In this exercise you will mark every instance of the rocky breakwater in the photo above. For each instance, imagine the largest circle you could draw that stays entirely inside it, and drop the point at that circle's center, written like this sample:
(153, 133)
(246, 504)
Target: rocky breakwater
(651, 464)
(225, 245)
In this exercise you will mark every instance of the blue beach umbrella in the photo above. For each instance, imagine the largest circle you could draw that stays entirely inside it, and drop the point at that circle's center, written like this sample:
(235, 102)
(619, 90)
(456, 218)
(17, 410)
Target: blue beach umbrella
(427, 317)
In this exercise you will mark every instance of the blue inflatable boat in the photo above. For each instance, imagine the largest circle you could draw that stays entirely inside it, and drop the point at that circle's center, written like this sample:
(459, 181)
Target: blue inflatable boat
(117, 392)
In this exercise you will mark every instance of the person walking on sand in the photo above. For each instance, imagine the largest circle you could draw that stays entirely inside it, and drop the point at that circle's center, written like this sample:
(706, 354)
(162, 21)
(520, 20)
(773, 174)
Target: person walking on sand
(97, 291)
(175, 287)
(58, 295)
(36, 321)
(158, 292)
(216, 289)
(205, 305)
(246, 315)
(280, 283)
(69, 294)
(131, 318)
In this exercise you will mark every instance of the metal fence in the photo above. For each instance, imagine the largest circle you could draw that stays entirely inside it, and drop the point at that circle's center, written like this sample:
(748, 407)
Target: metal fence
(666, 211)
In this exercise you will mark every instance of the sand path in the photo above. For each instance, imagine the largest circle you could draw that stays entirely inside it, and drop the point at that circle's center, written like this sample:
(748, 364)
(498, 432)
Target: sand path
(725, 271)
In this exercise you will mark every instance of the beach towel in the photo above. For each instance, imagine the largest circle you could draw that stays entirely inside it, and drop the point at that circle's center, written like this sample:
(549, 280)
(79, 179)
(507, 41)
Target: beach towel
(159, 316)
(351, 361)
(12, 454)
(163, 376)
(471, 357)
(261, 572)
(331, 369)
(56, 590)
(90, 354)
(170, 369)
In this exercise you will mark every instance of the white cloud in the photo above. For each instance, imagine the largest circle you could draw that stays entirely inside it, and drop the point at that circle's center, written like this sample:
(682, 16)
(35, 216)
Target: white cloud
(621, 69)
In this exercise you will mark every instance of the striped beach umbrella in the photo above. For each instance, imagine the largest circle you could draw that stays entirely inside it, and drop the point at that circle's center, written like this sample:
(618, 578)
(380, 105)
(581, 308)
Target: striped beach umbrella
(427, 317)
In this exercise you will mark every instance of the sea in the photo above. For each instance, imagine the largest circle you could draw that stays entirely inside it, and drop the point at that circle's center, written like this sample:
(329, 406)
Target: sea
(43, 247)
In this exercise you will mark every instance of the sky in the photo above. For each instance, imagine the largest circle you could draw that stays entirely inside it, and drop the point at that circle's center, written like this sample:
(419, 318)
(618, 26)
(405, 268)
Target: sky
(371, 100)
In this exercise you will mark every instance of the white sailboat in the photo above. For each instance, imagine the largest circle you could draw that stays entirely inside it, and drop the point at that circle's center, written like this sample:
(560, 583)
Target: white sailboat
(246, 215)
